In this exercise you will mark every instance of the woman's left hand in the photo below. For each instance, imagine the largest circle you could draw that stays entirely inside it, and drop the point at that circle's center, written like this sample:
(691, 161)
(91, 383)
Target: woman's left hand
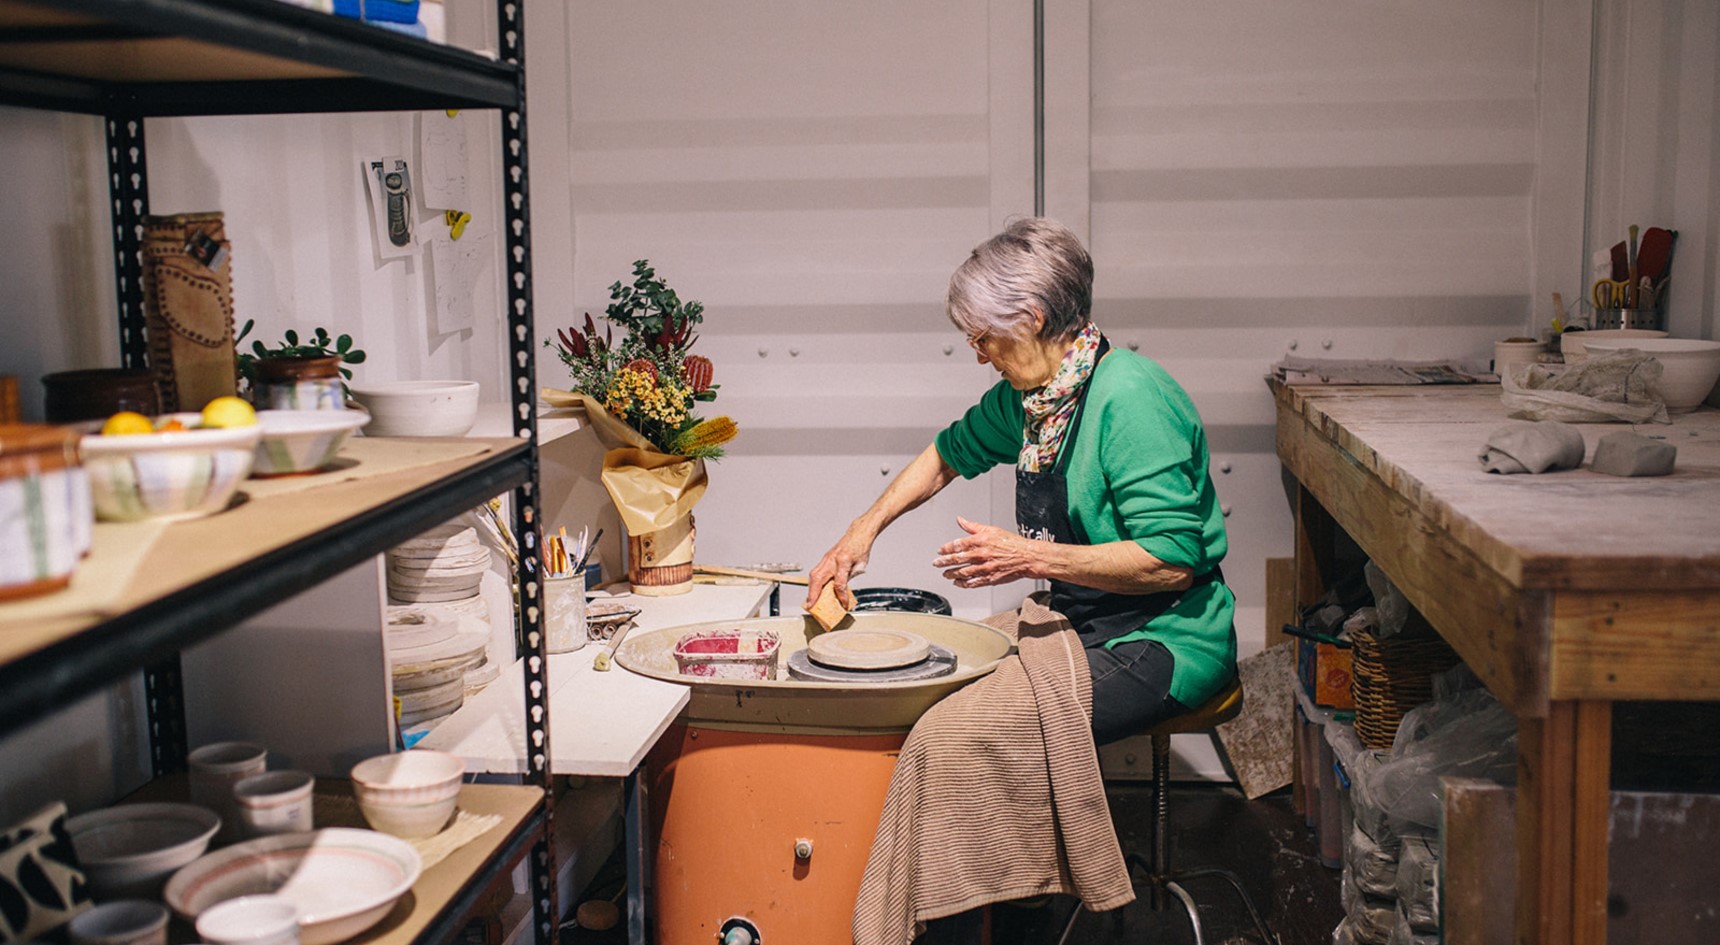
(987, 555)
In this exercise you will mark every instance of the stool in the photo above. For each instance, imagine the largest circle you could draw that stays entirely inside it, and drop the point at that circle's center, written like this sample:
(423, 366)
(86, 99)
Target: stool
(1219, 709)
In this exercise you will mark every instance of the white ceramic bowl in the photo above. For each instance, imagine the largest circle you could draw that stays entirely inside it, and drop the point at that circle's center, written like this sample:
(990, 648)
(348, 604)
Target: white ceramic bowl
(343, 881)
(302, 441)
(410, 793)
(250, 920)
(178, 475)
(128, 851)
(419, 408)
(1574, 344)
(1691, 365)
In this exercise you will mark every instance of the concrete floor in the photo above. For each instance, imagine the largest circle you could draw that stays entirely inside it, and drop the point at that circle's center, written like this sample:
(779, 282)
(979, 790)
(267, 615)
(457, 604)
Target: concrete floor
(1263, 841)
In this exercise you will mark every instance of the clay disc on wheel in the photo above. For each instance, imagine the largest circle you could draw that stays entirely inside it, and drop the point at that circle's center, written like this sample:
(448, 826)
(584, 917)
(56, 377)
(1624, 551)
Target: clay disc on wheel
(868, 648)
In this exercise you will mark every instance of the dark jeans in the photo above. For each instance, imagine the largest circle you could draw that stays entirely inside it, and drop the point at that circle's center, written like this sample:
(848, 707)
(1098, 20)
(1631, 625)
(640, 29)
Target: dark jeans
(1131, 688)
(1131, 693)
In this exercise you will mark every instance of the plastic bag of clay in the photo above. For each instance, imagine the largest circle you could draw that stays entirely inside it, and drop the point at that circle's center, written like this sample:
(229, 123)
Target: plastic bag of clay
(1370, 920)
(1405, 933)
(1393, 607)
(1371, 869)
(1469, 735)
(1369, 812)
(1418, 884)
(1607, 388)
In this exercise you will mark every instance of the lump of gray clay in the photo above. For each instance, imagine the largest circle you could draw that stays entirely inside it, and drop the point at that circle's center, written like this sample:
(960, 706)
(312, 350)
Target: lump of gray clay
(1628, 454)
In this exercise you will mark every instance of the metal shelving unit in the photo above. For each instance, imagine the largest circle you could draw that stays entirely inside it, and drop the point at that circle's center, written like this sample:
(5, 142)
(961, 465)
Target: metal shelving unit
(129, 60)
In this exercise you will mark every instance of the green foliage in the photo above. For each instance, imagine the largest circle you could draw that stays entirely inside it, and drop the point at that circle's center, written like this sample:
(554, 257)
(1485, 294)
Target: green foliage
(321, 345)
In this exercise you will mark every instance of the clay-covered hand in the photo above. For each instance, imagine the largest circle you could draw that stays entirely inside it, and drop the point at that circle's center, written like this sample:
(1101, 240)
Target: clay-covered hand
(988, 555)
(844, 561)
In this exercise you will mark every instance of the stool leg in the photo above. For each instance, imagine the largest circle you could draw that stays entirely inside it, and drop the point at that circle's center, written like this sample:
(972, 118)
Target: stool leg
(1070, 927)
(1162, 816)
(1188, 905)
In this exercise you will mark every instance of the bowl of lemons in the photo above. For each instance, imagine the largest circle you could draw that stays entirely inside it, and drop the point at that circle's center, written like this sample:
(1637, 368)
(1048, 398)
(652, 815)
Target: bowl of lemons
(176, 466)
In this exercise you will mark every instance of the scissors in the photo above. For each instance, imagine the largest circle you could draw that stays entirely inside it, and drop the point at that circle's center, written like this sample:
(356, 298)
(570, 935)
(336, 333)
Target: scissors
(1611, 293)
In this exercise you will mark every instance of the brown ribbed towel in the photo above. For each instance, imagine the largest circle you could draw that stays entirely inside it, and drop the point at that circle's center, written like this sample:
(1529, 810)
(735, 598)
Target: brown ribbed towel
(997, 795)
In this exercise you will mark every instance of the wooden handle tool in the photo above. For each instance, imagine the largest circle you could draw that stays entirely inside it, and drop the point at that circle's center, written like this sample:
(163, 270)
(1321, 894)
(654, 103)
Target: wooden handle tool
(757, 575)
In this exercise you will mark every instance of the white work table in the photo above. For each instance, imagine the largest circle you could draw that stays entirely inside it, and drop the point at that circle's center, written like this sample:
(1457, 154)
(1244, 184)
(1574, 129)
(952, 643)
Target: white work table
(600, 724)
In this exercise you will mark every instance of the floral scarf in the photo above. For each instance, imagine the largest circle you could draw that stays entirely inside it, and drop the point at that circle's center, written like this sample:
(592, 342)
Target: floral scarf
(1050, 408)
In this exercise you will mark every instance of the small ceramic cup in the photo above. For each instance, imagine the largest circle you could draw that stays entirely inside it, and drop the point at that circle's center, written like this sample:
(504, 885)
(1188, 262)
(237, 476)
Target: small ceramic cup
(121, 922)
(215, 769)
(250, 920)
(273, 802)
(1512, 354)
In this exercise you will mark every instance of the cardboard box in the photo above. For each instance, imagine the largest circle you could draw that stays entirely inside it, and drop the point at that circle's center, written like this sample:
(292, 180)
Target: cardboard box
(1325, 671)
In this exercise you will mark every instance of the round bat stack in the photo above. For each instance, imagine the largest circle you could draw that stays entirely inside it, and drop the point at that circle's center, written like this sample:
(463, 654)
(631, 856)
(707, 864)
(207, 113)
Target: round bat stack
(438, 625)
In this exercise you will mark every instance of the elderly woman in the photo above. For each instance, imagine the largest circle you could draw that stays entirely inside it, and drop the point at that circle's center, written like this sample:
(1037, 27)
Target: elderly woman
(1114, 505)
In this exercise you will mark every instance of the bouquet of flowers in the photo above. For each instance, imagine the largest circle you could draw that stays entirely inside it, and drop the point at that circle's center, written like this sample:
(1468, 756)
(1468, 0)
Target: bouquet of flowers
(639, 392)
(648, 379)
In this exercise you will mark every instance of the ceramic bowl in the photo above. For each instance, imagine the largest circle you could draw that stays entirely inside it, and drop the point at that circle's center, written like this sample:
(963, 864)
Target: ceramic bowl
(410, 793)
(343, 881)
(1691, 365)
(1574, 344)
(250, 920)
(419, 408)
(302, 441)
(178, 475)
(129, 851)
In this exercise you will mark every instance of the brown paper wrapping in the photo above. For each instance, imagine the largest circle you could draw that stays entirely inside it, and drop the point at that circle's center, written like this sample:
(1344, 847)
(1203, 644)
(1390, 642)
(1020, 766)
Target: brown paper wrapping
(188, 311)
(652, 491)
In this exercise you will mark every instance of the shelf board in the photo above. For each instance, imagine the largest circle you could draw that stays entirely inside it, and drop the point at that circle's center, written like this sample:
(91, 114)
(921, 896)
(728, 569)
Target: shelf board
(445, 893)
(186, 57)
(203, 575)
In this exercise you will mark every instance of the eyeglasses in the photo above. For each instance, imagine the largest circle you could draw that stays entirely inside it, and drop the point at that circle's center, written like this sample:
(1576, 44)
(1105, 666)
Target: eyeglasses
(976, 342)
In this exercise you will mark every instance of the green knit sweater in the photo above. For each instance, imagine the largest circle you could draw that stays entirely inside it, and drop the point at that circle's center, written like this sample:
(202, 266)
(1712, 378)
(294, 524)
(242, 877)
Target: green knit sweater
(1138, 472)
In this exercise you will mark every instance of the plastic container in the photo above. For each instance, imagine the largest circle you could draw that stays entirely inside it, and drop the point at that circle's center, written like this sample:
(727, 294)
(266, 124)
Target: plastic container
(728, 654)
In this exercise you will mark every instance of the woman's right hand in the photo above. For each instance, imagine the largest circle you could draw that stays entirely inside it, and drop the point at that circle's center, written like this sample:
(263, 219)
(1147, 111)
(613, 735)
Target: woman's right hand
(846, 559)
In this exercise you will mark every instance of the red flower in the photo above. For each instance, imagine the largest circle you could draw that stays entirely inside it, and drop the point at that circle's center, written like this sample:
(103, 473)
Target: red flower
(573, 344)
(697, 369)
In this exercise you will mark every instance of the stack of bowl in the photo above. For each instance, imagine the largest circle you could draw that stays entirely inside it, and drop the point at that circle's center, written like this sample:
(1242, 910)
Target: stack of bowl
(408, 794)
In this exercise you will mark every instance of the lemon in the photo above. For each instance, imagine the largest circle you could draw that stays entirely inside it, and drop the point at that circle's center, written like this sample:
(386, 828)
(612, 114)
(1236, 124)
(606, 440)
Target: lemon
(126, 423)
(228, 412)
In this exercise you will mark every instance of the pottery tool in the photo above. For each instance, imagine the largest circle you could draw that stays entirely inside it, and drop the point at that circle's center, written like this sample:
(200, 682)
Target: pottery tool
(1654, 256)
(606, 655)
(829, 609)
(756, 575)
(585, 552)
(1558, 312)
(1630, 264)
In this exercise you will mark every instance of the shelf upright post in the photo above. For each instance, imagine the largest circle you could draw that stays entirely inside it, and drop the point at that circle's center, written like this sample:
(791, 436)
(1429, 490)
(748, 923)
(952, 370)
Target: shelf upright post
(522, 364)
(128, 196)
(128, 202)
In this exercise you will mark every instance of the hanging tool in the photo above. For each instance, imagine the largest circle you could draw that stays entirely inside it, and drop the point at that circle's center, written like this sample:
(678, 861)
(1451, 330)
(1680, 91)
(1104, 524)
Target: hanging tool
(1630, 287)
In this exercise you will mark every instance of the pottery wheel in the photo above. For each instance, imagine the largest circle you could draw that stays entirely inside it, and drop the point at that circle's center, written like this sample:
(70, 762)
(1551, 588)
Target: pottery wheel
(869, 648)
(941, 662)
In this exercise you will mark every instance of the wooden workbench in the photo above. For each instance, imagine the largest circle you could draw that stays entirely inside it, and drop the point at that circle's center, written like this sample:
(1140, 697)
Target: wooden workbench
(1565, 592)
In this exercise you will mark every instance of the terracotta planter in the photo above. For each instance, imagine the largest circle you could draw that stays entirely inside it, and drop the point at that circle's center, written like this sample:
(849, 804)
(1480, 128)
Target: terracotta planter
(300, 382)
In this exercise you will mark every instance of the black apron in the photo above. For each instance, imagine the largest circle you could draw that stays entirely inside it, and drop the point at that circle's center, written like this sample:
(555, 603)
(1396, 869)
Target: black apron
(1042, 512)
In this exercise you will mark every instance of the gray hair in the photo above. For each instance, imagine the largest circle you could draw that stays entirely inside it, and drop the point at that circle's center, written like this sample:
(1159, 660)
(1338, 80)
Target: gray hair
(1034, 264)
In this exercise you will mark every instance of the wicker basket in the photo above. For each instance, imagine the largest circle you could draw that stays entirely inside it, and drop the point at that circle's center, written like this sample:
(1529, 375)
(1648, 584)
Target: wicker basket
(1391, 677)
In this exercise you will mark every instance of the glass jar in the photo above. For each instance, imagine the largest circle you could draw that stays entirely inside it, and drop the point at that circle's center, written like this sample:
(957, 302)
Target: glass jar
(300, 382)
